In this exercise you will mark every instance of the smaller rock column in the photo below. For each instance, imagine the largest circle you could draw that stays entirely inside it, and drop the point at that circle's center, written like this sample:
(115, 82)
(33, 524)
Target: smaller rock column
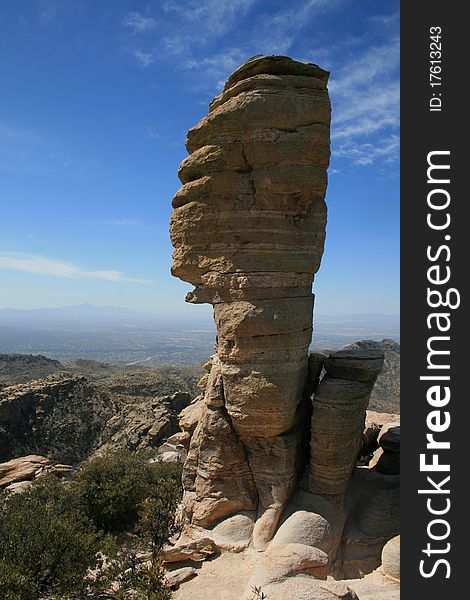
(338, 418)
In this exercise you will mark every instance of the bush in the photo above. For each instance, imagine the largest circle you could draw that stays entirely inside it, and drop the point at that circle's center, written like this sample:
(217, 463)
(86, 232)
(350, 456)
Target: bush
(114, 489)
(132, 579)
(52, 535)
(47, 545)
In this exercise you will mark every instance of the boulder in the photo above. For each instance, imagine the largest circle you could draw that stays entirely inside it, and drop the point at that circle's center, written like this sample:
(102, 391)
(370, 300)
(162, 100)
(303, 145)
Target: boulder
(310, 529)
(194, 550)
(21, 469)
(180, 438)
(391, 558)
(389, 436)
(174, 579)
(190, 416)
(282, 561)
(232, 534)
(303, 587)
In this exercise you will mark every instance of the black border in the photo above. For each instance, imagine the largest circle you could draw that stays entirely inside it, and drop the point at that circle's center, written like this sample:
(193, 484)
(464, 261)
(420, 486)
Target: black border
(423, 131)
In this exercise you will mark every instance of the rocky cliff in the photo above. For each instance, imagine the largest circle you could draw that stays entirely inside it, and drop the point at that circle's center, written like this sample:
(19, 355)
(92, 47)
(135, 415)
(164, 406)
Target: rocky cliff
(66, 417)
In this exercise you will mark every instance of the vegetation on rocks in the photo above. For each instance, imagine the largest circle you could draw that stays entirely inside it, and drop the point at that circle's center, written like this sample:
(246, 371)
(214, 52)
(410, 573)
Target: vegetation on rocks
(81, 539)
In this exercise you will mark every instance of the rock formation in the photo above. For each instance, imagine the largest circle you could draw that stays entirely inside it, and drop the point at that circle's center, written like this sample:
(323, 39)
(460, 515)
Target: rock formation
(248, 227)
(16, 475)
(385, 396)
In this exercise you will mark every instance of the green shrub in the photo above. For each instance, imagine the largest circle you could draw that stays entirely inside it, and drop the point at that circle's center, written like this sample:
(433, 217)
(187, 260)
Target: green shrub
(136, 580)
(47, 545)
(114, 488)
(52, 535)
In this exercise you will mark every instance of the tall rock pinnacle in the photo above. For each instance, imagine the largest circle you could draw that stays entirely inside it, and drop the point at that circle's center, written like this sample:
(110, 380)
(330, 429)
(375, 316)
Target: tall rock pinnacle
(248, 228)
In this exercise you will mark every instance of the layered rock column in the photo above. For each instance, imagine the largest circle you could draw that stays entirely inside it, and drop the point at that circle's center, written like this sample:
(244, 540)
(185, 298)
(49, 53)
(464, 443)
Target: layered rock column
(248, 228)
(338, 419)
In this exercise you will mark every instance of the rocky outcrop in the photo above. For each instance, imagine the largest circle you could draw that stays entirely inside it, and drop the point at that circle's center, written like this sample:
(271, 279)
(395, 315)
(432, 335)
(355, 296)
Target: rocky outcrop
(67, 418)
(385, 396)
(248, 228)
(59, 416)
(21, 368)
(338, 418)
(277, 434)
(16, 475)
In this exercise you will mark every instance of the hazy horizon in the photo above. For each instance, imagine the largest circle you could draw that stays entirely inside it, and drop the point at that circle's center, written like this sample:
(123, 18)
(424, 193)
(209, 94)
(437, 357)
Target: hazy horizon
(160, 314)
(119, 335)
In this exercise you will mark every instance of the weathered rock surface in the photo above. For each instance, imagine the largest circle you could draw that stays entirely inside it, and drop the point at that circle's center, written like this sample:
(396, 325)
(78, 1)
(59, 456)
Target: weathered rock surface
(194, 550)
(373, 504)
(16, 475)
(303, 587)
(391, 558)
(338, 419)
(248, 228)
(283, 561)
(385, 396)
(174, 579)
(386, 459)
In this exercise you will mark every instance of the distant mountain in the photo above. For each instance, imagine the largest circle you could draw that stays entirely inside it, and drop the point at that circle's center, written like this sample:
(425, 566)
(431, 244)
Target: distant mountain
(79, 312)
(90, 313)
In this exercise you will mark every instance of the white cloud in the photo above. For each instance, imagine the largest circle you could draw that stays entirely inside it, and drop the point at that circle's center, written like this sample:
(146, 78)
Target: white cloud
(43, 265)
(206, 19)
(216, 67)
(375, 62)
(48, 10)
(386, 20)
(367, 153)
(131, 222)
(138, 23)
(365, 96)
(144, 58)
(12, 133)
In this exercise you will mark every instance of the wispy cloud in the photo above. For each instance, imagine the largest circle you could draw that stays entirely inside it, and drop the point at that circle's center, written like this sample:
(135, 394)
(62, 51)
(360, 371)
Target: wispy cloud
(365, 97)
(145, 59)
(276, 33)
(202, 24)
(187, 33)
(48, 10)
(54, 12)
(44, 265)
(12, 133)
(208, 39)
(26, 151)
(216, 67)
(132, 222)
(386, 20)
(136, 22)
(207, 18)
(368, 153)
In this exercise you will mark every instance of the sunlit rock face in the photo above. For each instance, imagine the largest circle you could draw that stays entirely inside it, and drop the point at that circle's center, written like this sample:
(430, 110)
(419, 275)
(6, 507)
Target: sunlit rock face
(248, 228)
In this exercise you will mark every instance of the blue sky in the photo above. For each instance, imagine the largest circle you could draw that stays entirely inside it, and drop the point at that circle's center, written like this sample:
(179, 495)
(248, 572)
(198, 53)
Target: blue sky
(96, 100)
